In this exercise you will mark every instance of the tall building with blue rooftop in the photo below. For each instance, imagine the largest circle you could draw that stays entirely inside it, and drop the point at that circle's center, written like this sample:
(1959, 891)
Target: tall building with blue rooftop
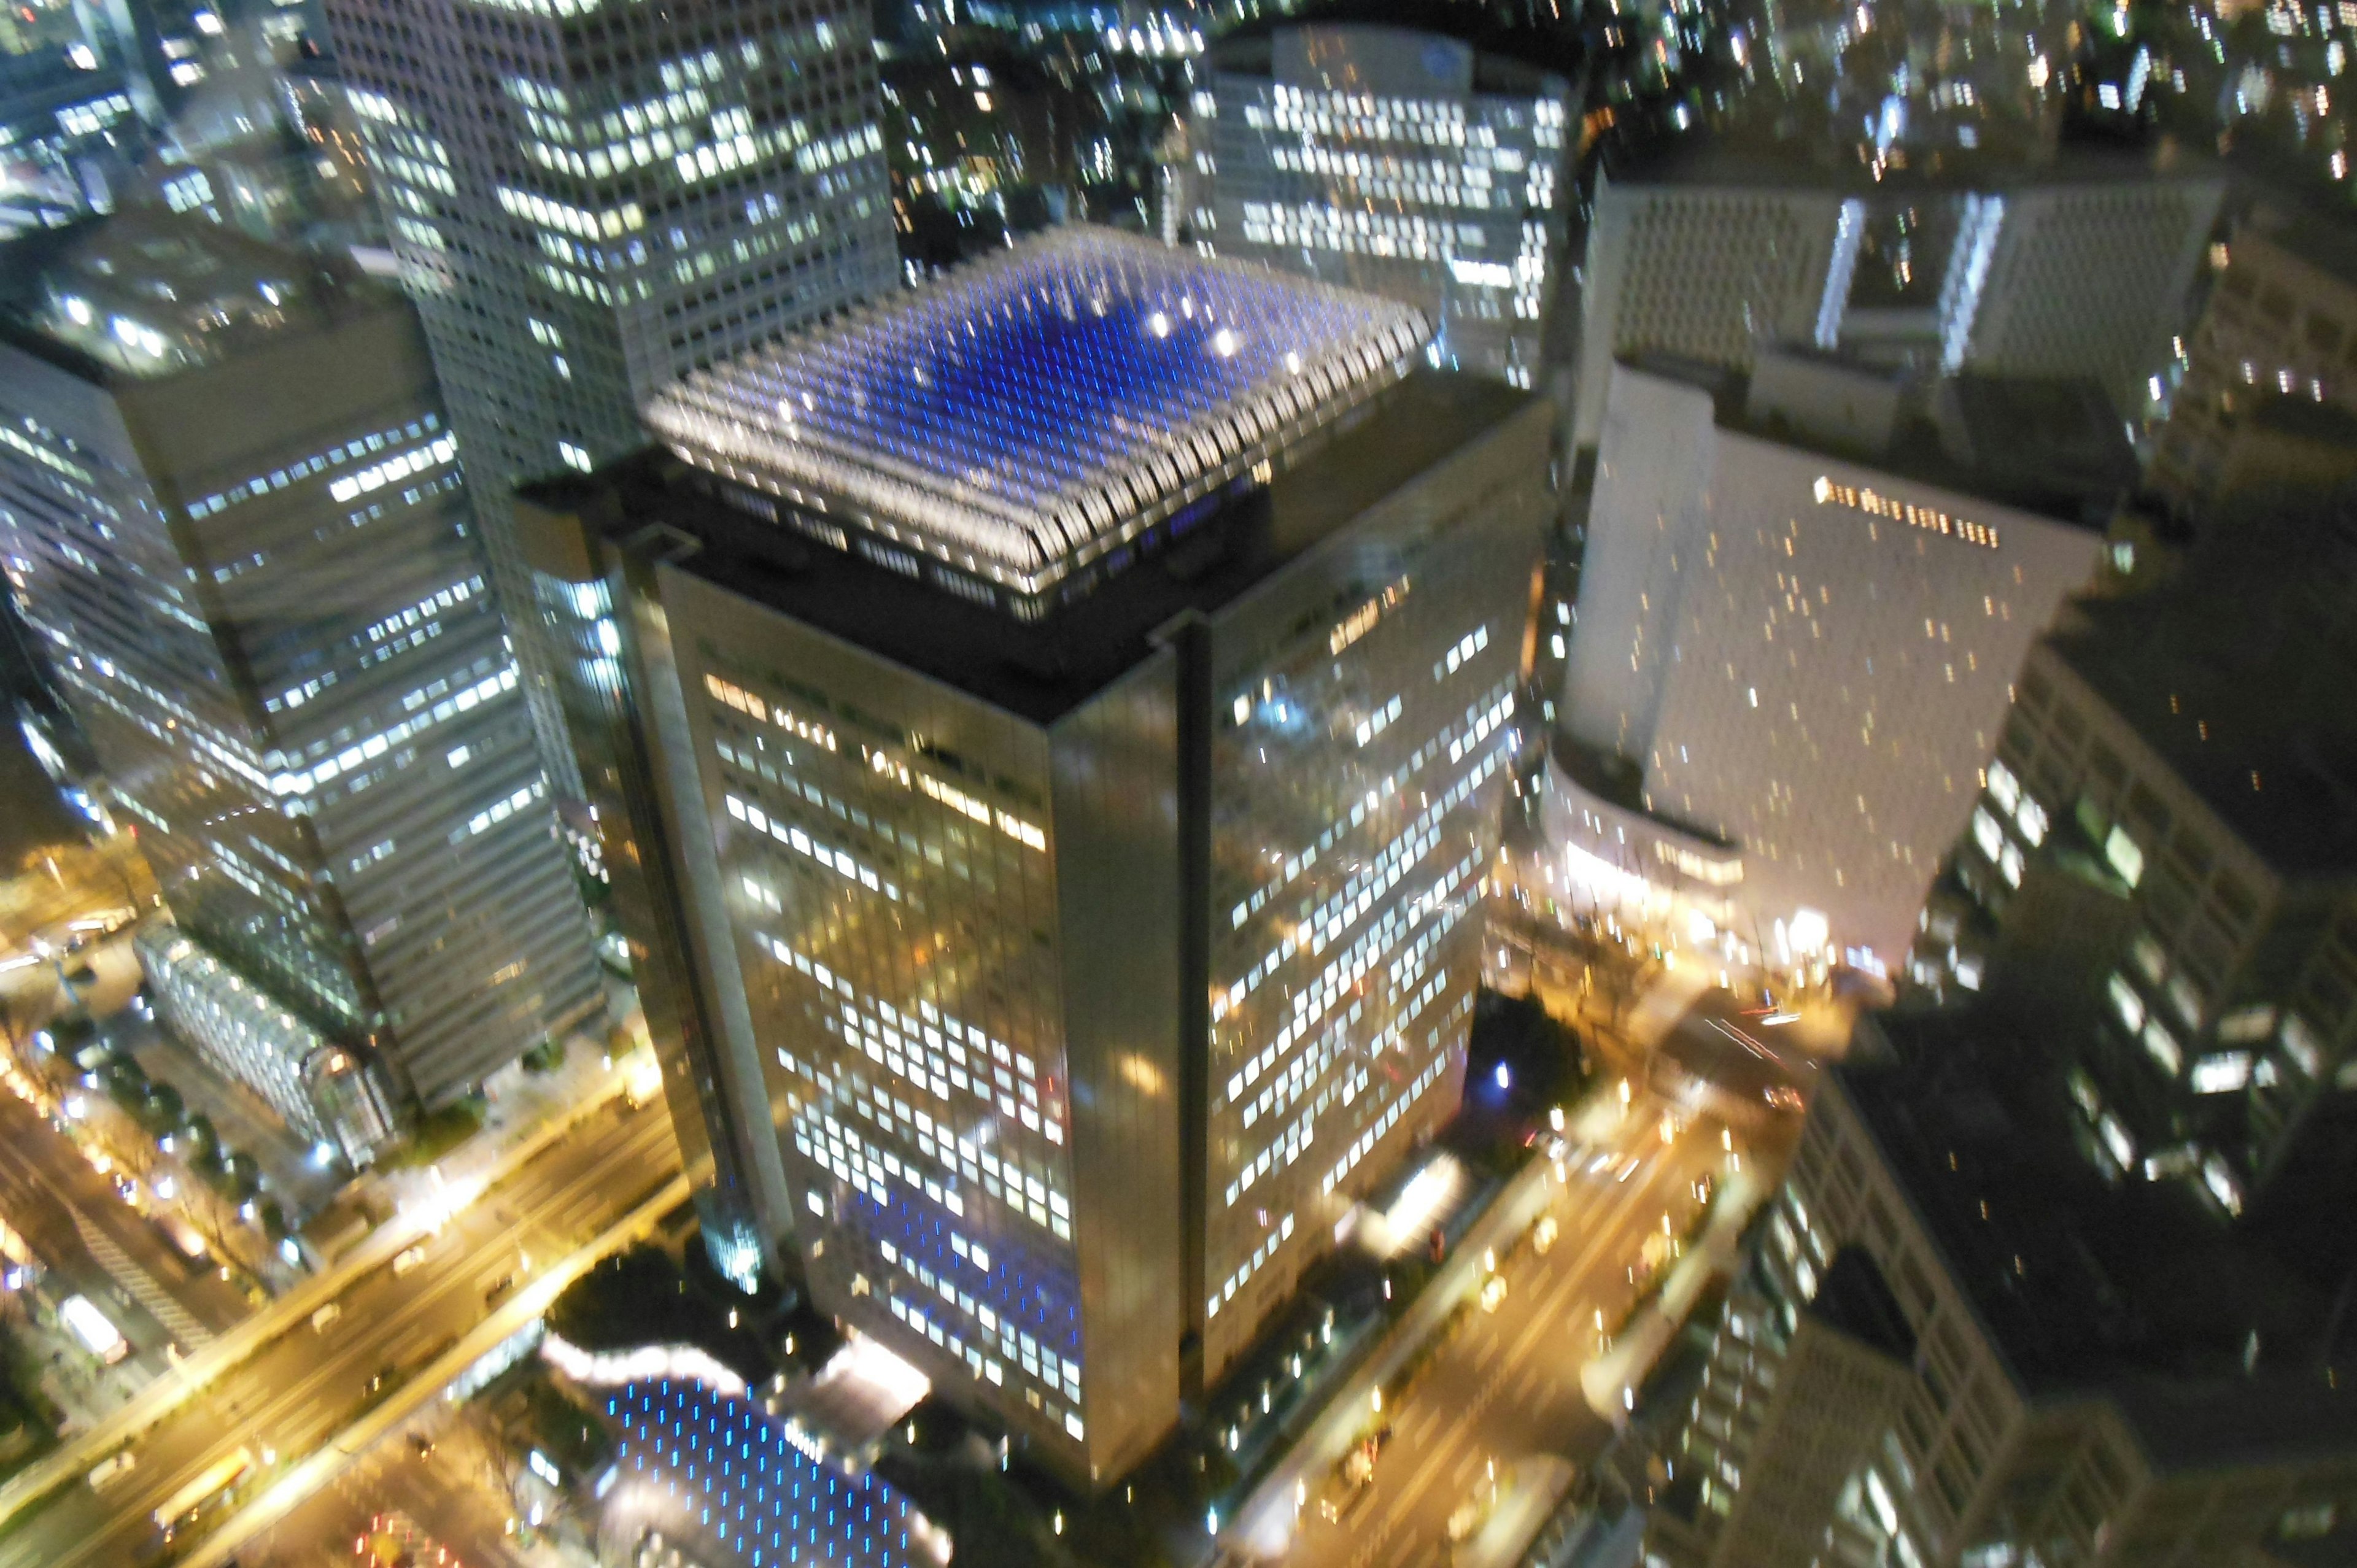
(1048, 731)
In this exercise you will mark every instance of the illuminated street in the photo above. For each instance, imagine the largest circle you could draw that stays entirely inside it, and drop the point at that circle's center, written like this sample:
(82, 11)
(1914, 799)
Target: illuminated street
(305, 1386)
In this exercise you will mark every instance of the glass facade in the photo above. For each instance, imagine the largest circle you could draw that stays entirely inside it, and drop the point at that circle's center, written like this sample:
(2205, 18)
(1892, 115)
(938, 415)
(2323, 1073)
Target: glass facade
(325, 1094)
(1357, 770)
(254, 573)
(587, 200)
(1400, 162)
(899, 860)
(955, 872)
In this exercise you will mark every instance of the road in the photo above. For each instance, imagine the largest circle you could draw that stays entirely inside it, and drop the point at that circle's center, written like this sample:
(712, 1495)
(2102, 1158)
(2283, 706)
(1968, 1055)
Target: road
(303, 1388)
(449, 1494)
(101, 1246)
(1505, 1388)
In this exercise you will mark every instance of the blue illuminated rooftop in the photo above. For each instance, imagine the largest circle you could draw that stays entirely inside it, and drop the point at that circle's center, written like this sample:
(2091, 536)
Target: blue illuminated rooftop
(1036, 410)
(718, 1475)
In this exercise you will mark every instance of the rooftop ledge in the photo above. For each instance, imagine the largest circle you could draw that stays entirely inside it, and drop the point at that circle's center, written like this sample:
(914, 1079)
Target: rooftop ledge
(1036, 410)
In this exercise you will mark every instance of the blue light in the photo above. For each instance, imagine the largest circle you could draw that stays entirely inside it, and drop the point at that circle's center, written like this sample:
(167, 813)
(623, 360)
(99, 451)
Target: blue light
(747, 1505)
(1505, 1079)
(1042, 402)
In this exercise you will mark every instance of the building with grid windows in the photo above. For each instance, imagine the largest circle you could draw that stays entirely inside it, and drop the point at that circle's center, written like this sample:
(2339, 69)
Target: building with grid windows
(1961, 1345)
(1789, 664)
(2160, 864)
(587, 201)
(2079, 267)
(1060, 717)
(2280, 326)
(235, 522)
(1400, 162)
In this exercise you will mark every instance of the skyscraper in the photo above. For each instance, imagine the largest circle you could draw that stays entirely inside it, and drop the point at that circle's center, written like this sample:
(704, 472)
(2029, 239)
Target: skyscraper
(2159, 866)
(587, 201)
(2078, 268)
(236, 522)
(2281, 324)
(1402, 162)
(1963, 1343)
(1061, 718)
(1791, 660)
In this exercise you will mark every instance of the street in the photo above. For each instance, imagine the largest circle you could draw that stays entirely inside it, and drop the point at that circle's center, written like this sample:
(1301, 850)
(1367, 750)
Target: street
(104, 1249)
(1504, 1389)
(303, 1388)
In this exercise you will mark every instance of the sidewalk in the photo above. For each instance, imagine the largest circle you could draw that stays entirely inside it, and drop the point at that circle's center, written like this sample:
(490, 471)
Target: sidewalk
(1263, 1524)
(1610, 1381)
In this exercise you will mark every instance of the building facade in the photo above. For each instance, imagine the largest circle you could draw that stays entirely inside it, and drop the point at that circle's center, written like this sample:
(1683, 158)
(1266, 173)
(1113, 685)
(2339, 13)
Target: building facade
(236, 523)
(587, 202)
(2160, 859)
(1066, 834)
(1960, 1344)
(2070, 271)
(2281, 322)
(1802, 656)
(1404, 162)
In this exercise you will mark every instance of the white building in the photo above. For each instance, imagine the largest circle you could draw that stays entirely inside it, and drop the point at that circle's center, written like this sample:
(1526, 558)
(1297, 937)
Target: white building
(1800, 657)
(1392, 160)
(2079, 268)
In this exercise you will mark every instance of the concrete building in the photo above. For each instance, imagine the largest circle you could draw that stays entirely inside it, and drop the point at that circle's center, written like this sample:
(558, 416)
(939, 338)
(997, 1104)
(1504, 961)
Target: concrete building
(2281, 324)
(2162, 863)
(1961, 1343)
(236, 524)
(1799, 614)
(1061, 717)
(587, 203)
(2076, 268)
(1405, 162)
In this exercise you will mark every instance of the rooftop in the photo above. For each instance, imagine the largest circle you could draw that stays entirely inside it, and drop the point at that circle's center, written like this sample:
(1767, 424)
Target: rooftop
(1042, 667)
(149, 294)
(2052, 448)
(2237, 680)
(1384, 48)
(1037, 410)
(1741, 162)
(2216, 1343)
(719, 1475)
(2327, 244)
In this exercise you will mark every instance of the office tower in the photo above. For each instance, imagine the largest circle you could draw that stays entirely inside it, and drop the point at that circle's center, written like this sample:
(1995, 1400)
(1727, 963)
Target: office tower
(587, 201)
(2077, 268)
(2160, 864)
(1962, 1344)
(1060, 716)
(1400, 162)
(72, 105)
(2281, 323)
(237, 525)
(1788, 662)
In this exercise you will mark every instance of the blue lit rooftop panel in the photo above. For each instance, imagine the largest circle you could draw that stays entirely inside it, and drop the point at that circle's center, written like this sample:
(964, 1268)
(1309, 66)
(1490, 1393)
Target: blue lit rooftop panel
(1032, 411)
(736, 1487)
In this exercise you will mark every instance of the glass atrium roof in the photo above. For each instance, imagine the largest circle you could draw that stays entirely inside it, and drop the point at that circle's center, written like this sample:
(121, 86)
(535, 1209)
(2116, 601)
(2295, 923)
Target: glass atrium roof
(1034, 410)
